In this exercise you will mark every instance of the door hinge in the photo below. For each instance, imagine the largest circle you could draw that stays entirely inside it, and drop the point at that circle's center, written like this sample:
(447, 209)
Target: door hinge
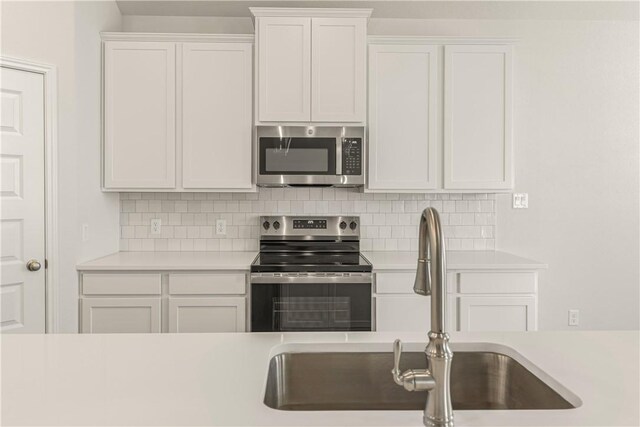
(46, 263)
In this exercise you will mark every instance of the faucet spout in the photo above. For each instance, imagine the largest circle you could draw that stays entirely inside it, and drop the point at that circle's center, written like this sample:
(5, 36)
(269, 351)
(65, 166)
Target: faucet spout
(432, 268)
(430, 281)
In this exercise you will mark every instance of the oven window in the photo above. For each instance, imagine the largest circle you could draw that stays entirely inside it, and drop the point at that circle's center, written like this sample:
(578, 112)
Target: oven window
(297, 156)
(311, 307)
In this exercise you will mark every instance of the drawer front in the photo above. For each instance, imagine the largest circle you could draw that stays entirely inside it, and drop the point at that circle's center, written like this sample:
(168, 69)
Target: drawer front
(207, 284)
(395, 283)
(493, 282)
(121, 284)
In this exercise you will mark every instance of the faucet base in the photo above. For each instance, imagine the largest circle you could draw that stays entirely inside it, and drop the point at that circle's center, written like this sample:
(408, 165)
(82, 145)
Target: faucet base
(430, 422)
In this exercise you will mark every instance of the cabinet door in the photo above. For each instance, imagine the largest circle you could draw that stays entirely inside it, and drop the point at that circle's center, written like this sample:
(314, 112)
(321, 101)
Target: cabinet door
(117, 315)
(338, 79)
(403, 96)
(139, 115)
(215, 118)
(224, 314)
(284, 69)
(403, 313)
(477, 117)
(497, 313)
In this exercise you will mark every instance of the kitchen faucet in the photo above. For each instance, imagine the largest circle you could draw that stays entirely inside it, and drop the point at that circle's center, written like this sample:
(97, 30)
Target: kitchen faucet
(430, 280)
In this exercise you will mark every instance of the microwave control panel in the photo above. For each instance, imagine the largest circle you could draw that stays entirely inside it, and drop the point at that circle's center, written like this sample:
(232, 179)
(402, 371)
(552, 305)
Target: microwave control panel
(352, 156)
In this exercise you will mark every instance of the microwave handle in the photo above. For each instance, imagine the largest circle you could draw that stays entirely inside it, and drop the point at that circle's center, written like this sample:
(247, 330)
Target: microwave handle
(339, 156)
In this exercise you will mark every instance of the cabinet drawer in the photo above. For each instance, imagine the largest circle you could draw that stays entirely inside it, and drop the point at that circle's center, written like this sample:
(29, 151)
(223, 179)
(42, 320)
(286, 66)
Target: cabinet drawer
(211, 284)
(395, 283)
(493, 282)
(121, 284)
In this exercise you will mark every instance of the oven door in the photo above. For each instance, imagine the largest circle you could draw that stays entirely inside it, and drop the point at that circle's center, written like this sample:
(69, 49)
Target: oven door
(310, 302)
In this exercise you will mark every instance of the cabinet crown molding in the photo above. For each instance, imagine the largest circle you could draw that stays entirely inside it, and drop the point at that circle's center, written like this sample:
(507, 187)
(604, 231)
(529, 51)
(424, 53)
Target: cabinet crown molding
(310, 12)
(442, 40)
(177, 37)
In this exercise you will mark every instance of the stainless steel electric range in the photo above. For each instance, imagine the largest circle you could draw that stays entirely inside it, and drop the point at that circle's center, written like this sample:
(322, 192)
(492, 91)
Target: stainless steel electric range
(310, 276)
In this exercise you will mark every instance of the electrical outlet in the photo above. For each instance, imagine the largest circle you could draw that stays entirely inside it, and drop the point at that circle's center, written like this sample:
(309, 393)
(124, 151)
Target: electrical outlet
(85, 232)
(221, 226)
(574, 317)
(520, 200)
(156, 226)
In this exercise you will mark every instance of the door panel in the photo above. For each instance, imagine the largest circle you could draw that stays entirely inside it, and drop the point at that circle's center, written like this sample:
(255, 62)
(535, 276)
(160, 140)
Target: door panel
(477, 117)
(403, 313)
(403, 96)
(489, 313)
(226, 314)
(284, 69)
(216, 115)
(120, 315)
(22, 214)
(139, 116)
(338, 79)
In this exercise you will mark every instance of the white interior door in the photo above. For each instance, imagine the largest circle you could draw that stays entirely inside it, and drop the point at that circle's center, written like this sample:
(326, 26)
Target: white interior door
(22, 212)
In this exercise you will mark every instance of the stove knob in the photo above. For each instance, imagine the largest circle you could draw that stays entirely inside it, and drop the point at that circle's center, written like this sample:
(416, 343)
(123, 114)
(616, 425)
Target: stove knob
(353, 225)
(265, 225)
(343, 225)
(276, 225)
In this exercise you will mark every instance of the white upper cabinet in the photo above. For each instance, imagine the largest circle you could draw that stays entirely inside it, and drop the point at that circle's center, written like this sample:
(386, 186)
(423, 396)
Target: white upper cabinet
(139, 115)
(311, 65)
(177, 112)
(284, 69)
(216, 115)
(477, 117)
(403, 103)
(338, 79)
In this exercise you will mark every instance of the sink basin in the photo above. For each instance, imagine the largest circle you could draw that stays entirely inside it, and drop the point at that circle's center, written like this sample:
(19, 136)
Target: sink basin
(348, 381)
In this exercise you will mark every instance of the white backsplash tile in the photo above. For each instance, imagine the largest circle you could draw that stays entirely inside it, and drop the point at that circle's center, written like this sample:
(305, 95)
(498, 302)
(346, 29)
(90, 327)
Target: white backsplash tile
(389, 221)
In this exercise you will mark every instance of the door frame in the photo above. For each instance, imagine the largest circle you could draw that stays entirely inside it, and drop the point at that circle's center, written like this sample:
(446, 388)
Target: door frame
(49, 73)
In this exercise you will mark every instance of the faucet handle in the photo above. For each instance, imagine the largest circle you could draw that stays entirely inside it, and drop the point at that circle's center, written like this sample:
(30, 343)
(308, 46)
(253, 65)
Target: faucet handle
(397, 354)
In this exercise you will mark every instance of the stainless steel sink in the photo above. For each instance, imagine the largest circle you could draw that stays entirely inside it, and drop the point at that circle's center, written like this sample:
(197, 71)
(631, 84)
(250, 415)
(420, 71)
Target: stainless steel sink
(347, 381)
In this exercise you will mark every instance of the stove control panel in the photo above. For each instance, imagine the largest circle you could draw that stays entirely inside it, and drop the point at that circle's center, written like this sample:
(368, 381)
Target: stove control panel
(313, 224)
(310, 226)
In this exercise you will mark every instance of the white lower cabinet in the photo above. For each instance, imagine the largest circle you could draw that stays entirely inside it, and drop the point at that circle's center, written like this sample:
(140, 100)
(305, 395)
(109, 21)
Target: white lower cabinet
(120, 315)
(487, 300)
(495, 313)
(131, 302)
(402, 313)
(206, 314)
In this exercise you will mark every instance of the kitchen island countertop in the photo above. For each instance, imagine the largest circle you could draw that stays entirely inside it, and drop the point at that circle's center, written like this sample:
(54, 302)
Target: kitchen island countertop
(219, 379)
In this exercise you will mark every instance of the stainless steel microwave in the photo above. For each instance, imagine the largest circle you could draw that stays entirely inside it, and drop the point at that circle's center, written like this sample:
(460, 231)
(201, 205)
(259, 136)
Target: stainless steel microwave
(310, 156)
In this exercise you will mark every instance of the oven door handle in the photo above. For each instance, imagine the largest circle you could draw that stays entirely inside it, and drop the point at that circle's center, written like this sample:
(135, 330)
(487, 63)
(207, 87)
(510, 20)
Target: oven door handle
(295, 280)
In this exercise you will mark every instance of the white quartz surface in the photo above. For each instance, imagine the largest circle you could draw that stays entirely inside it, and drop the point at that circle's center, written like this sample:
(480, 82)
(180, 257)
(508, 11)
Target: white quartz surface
(171, 261)
(456, 260)
(219, 379)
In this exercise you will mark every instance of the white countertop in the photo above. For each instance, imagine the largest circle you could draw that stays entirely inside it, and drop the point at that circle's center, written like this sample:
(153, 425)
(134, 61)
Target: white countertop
(219, 379)
(171, 261)
(456, 260)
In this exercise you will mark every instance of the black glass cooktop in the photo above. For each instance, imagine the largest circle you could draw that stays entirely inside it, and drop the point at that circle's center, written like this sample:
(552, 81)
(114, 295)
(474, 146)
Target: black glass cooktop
(310, 262)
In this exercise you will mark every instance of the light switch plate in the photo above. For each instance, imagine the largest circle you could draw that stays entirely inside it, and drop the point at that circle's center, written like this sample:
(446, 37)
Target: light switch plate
(574, 317)
(85, 232)
(520, 200)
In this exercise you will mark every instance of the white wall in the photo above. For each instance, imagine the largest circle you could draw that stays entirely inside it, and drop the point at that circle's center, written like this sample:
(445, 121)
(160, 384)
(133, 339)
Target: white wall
(66, 34)
(576, 153)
